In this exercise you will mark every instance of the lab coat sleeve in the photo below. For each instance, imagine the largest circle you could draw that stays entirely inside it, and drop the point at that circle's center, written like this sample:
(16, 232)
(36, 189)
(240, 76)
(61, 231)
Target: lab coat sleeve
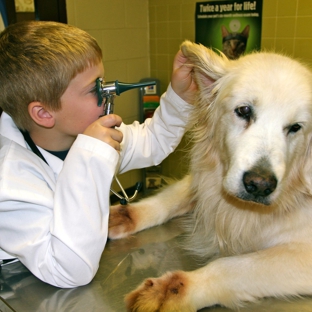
(149, 143)
(57, 226)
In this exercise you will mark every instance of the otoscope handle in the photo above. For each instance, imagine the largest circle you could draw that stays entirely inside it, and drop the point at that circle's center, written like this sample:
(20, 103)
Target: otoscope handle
(108, 91)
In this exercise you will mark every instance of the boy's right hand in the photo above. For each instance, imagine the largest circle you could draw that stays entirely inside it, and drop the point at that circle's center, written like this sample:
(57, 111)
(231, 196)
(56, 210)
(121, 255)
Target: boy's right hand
(104, 129)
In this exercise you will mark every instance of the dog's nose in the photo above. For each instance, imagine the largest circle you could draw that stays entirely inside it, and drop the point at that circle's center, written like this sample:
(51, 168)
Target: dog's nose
(259, 184)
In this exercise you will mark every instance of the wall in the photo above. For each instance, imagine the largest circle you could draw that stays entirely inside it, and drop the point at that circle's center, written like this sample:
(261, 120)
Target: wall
(122, 31)
(287, 27)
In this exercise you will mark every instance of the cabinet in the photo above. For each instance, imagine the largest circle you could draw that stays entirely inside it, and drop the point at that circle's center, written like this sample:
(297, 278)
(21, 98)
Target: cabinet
(149, 101)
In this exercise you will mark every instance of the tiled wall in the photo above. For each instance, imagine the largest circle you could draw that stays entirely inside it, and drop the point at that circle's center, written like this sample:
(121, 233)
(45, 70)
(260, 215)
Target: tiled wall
(286, 27)
(140, 38)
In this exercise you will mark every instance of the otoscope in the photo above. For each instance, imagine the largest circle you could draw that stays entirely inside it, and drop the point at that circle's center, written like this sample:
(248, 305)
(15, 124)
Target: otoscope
(106, 94)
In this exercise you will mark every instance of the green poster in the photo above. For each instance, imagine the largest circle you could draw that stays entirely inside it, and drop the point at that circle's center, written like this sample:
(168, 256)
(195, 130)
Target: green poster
(233, 27)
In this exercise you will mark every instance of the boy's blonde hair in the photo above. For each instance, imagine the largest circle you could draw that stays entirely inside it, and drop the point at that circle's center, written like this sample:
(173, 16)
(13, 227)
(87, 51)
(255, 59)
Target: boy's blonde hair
(37, 62)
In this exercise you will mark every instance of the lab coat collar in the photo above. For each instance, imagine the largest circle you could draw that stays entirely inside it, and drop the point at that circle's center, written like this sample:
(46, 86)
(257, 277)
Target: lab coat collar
(9, 129)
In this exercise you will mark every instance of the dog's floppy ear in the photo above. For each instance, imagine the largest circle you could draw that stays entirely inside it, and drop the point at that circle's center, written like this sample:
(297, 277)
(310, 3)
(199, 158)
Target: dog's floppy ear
(208, 65)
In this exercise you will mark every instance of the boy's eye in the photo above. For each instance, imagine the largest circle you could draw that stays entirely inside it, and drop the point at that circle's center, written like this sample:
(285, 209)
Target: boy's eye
(98, 88)
(93, 90)
(102, 100)
(96, 92)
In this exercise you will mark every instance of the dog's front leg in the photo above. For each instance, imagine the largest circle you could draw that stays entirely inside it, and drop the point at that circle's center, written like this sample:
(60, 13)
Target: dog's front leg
(173, 201)
(283, 270)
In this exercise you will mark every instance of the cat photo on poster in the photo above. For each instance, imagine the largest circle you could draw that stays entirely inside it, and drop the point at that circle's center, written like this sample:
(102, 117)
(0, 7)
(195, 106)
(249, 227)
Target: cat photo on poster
(233, 27)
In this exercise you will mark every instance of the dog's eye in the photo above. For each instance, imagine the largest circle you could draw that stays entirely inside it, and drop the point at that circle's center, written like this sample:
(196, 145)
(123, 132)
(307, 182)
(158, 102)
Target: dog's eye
(243, 112)
(294, 128)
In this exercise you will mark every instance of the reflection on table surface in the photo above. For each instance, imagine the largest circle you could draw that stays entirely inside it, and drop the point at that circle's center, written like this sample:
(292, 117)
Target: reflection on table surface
(125, 263)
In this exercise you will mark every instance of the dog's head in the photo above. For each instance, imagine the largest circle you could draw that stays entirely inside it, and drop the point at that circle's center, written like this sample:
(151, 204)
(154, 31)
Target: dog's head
(256, 118)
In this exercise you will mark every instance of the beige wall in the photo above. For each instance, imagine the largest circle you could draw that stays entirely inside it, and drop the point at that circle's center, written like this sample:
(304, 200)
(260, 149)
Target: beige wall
(286, 27)
(139, 38)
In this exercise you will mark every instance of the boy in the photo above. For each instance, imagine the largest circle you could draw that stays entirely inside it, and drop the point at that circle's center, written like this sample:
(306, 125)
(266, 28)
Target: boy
(58, 158)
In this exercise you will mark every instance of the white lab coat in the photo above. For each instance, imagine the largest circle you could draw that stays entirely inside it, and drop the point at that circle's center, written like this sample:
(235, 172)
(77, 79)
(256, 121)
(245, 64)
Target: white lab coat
(54, 218)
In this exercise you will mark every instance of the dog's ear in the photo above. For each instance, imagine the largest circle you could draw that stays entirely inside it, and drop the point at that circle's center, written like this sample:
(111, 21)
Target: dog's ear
(208, 65)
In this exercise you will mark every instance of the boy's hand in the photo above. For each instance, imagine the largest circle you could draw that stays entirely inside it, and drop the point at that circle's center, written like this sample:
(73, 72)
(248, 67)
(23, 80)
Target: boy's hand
(104, 129)
(182, 81)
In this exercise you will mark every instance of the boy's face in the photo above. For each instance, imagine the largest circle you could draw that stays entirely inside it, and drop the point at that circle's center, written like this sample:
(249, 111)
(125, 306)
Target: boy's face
(79, 103)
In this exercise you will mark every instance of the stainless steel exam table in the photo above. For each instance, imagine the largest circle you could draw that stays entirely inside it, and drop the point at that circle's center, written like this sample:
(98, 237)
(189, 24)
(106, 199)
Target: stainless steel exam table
(124, 264)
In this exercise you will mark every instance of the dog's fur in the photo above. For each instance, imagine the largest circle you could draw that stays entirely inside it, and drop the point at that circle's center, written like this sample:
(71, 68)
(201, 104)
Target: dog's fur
(249, 187)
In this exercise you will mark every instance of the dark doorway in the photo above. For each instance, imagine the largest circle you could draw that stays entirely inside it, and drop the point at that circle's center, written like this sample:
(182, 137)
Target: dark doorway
(45, 10)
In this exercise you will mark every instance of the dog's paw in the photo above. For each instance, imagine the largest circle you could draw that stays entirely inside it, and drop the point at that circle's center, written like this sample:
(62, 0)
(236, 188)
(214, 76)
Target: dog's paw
(121, 221)
(168, 293)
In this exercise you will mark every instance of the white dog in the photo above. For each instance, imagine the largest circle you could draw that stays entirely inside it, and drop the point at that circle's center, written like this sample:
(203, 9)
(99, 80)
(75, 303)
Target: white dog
(249, 190)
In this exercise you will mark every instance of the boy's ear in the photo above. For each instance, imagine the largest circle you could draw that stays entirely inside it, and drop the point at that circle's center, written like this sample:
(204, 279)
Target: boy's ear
(41, 115)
